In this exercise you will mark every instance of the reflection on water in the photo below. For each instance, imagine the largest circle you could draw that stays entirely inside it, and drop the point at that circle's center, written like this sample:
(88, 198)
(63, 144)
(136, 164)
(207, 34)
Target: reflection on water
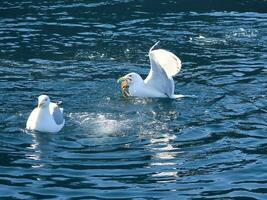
(165, 157)
(36, 152)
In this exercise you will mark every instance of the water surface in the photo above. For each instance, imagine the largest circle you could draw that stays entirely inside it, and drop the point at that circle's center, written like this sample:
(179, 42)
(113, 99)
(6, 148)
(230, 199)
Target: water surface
(212, 146)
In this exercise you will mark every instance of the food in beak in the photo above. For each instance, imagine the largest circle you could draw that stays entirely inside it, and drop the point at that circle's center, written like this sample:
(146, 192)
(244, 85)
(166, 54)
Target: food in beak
(124, 85)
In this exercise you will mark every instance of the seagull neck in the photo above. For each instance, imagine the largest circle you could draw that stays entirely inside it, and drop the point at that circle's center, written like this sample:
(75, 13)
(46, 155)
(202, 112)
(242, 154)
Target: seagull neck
(43, 110)
(135, 88)
(42, 114)
(44, 107)
(139, 83)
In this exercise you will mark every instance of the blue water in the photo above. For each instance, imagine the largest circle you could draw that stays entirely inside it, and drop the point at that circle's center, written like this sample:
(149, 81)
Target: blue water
(209, 147)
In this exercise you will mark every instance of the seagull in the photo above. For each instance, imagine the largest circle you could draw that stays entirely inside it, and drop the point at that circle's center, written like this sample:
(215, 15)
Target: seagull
(47, 117)
(159, 82)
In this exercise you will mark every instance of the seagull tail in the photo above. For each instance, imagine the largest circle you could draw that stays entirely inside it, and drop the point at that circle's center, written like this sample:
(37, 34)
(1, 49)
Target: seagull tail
(151, 49)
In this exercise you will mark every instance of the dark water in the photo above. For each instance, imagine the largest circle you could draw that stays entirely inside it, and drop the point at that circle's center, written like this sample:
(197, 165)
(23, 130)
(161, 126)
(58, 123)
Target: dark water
(213, 146)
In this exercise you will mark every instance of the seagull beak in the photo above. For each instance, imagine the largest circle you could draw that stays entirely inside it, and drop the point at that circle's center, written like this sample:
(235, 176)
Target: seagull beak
(123, 78)
(40, 105)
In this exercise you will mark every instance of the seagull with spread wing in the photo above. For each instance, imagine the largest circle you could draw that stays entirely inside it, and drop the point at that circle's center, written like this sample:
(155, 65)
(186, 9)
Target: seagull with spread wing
(159, 82)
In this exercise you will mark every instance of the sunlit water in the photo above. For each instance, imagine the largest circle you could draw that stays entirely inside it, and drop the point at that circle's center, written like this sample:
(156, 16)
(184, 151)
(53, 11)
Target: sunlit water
(211, 146)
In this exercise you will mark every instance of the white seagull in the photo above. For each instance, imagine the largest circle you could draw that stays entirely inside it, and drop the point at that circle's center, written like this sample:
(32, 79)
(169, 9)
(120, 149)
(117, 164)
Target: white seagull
(159, 82)
(47, 117)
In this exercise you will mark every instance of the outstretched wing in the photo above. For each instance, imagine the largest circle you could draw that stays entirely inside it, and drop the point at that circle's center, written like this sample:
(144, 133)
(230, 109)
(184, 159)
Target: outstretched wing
(57, 113)
(167, 61)
(164, 65)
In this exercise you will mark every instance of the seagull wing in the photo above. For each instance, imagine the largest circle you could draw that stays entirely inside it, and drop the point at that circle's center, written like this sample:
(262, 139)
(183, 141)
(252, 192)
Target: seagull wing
(167, 61)
(56, 113)
(164, 65)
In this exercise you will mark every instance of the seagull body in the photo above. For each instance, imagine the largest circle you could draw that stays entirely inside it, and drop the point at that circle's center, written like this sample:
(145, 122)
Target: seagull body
(159, 82)
(47, 117)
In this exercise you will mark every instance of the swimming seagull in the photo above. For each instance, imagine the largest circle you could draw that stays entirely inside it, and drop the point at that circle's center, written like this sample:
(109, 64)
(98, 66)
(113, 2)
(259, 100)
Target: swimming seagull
(159, 82)
(47, 117)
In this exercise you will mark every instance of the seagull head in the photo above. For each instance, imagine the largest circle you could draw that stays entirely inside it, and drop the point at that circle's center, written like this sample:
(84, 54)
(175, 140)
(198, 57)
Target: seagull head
(131, 79)
(43, 101)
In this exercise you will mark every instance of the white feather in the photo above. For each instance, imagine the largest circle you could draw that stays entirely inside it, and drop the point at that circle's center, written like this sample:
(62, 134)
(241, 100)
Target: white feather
(46, 119)
(159, 82)
(164, 65)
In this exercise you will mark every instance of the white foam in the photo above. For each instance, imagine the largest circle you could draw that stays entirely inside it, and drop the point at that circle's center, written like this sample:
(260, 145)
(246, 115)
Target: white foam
(100, 123)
